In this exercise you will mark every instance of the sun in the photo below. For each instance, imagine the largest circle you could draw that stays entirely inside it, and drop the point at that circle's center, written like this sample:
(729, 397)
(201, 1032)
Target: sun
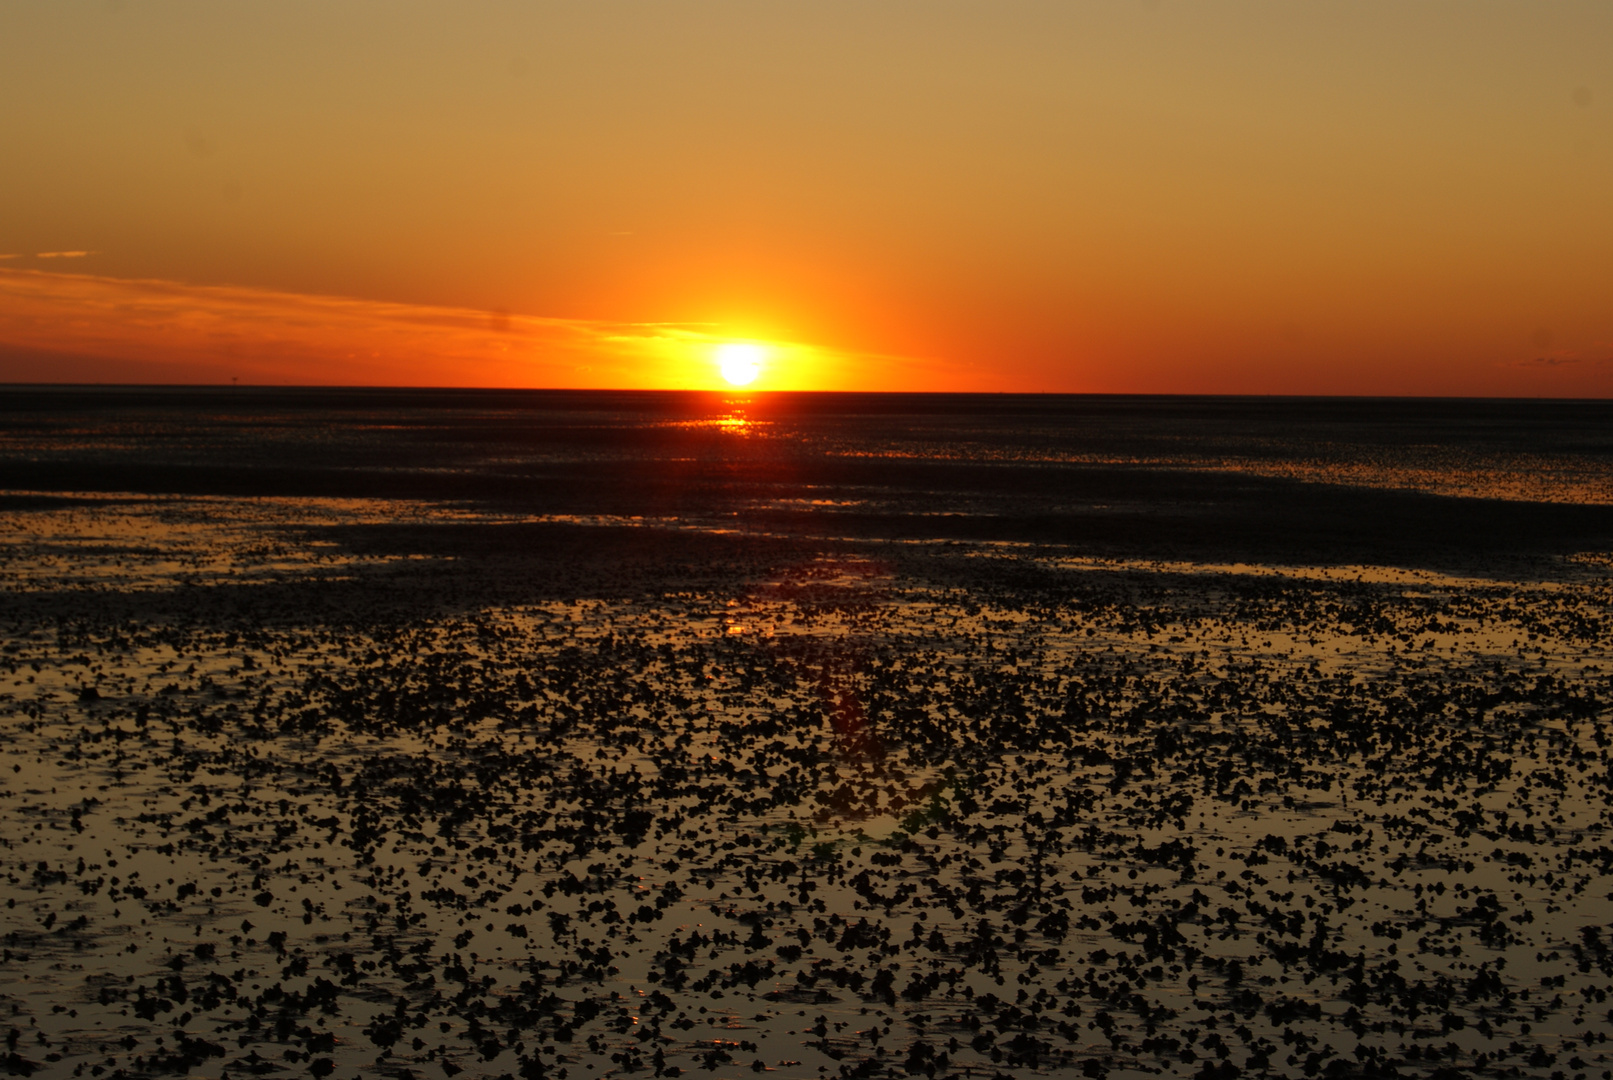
(740, 362)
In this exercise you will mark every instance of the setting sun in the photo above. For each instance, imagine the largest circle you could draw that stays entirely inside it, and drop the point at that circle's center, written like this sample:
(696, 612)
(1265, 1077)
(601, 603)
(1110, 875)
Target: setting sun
(740, 362)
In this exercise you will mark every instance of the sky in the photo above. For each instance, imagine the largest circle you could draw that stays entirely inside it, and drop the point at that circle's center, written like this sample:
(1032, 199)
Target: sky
(1138, 197)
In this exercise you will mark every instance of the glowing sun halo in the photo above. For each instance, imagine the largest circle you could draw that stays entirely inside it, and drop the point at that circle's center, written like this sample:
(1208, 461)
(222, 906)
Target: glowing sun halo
(740, 362)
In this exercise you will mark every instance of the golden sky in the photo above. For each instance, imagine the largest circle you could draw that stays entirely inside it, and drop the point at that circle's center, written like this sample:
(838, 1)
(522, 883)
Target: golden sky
(1358, 198)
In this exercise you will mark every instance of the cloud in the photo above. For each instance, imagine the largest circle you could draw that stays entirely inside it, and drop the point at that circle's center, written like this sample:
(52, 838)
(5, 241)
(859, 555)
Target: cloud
(10, 256)
(63, 254)
(1590, 366)
(149, 330)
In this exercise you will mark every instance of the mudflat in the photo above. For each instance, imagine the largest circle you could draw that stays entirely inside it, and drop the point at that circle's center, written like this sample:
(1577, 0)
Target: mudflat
(418, 733)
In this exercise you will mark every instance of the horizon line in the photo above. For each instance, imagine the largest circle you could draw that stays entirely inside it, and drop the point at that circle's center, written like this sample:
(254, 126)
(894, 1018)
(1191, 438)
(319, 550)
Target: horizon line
(733, 393)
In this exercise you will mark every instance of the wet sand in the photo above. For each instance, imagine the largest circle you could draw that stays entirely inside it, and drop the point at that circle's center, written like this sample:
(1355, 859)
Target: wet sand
(366, 740)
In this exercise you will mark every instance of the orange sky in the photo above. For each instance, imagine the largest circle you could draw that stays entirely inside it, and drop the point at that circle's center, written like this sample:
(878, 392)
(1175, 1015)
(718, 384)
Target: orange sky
(1361, 197)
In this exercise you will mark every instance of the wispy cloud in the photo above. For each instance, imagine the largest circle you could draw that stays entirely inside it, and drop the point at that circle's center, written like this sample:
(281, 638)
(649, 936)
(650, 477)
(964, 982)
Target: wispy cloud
(145, 330)
(1567, 368)
(1594, 366)
(63, 254)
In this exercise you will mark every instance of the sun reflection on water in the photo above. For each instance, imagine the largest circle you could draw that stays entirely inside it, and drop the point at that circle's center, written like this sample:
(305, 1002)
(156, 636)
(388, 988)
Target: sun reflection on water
(735, 422)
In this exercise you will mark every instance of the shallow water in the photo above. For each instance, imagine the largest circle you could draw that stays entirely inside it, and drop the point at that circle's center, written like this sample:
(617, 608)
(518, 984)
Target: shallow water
(795, 769)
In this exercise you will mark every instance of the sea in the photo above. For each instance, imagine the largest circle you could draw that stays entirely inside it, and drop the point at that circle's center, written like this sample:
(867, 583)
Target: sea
(417, 733)
(1308, 479)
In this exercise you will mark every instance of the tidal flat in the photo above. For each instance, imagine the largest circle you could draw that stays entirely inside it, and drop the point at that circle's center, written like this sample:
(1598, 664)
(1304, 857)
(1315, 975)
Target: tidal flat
(603, 735)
